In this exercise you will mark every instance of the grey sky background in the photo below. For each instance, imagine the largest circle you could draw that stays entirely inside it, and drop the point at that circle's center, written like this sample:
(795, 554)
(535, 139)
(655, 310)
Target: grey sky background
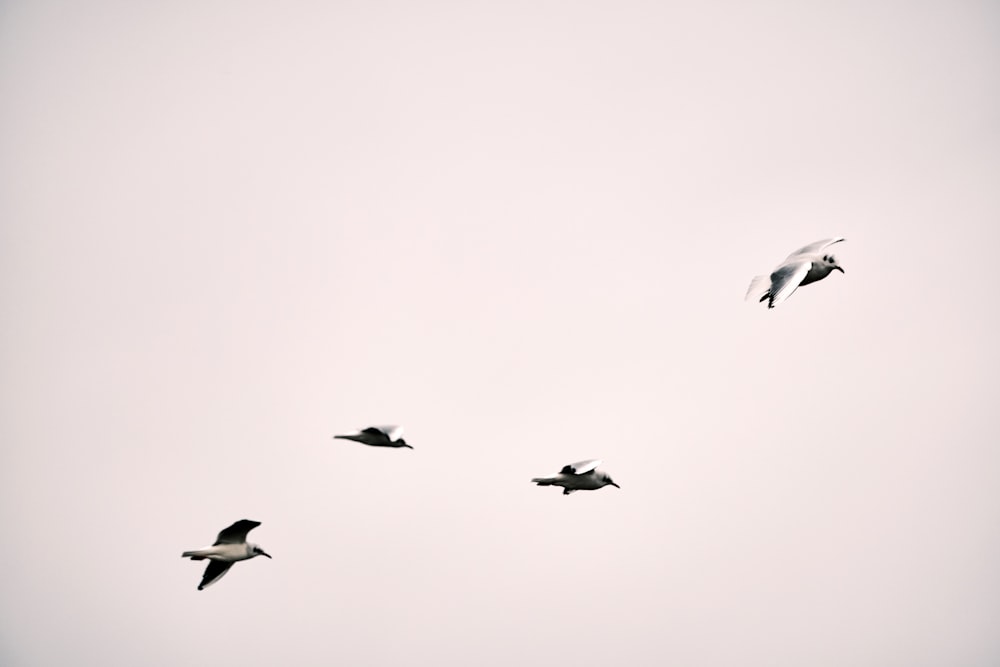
(523, 230)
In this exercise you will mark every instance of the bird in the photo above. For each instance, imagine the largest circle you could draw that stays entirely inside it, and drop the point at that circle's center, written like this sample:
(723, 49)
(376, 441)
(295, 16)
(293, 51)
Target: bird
(230, 546)
(582, 476)
(805, 265)
(378, 436)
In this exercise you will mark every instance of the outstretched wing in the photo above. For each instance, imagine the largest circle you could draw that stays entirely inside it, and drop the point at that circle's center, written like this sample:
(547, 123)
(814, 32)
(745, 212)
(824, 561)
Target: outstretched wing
(236, 533)
(786, 280)
(216, 570)
(581, 468)
(815, 247)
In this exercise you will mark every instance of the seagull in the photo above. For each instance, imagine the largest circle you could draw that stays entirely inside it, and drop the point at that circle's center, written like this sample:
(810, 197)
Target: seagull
(805, 265)
(230, 546)
(578, 476)
(378, 436)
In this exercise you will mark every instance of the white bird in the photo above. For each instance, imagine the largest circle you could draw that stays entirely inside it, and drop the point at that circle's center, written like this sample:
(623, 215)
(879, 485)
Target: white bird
(582, 476)
(230, 546)
(378, 436)
(805, 265)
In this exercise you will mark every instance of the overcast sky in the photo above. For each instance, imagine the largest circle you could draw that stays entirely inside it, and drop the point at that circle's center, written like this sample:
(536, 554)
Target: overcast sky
(522, 230)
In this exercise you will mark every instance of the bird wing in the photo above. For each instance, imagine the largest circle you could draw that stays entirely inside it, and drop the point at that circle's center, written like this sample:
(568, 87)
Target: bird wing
(391, 432)
(758, 287)
(786, 279)
(216, 570)
(356, 437)
(236, 533)
(374, 435)
(581, 468)
(368, 436)
(815, 247)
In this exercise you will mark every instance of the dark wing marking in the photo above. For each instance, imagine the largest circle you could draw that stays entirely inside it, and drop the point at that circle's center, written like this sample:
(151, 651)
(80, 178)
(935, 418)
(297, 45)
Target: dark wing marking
(581, 467)
(216, 570)
(376, 434)
(373, 435)
(393, 432)
(236, 533)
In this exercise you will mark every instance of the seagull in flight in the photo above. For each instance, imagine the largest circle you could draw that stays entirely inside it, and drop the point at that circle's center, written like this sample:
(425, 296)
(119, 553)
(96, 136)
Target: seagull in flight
(805, 265)
(378, 436)
(582, 476)
(230, 546)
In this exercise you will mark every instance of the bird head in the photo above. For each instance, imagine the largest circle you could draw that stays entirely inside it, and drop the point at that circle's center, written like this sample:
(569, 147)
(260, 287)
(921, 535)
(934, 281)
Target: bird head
(831, 261)
(402, 443)
(256, 550)
(610, 482)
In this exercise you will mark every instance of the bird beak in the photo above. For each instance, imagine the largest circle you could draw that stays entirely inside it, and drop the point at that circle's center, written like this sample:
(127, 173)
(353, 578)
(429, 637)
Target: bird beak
(615, 485)
(839, 269)
(264, 553)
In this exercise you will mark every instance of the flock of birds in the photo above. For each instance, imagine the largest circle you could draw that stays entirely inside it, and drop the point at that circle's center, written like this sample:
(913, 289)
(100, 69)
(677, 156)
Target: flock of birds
(804, 266)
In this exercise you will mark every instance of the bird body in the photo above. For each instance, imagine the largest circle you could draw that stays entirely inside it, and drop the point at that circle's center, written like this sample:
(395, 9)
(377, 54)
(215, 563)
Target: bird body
(378, 436)
(226, 552)
(230, 547)
(805, 265)
(582, 476)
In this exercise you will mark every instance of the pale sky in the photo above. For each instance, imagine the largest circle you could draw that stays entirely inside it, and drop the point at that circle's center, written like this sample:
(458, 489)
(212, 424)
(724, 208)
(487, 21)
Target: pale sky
(522, 230)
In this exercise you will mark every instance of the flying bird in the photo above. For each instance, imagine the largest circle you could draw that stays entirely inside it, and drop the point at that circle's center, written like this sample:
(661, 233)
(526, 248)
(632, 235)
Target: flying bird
(378, 436)
(582, 476)
(805, 265)
(230, 546)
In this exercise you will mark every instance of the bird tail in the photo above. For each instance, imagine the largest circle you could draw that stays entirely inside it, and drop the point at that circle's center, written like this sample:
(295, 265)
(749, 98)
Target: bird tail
(542, 481)
(199, 554)
(759, 288)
